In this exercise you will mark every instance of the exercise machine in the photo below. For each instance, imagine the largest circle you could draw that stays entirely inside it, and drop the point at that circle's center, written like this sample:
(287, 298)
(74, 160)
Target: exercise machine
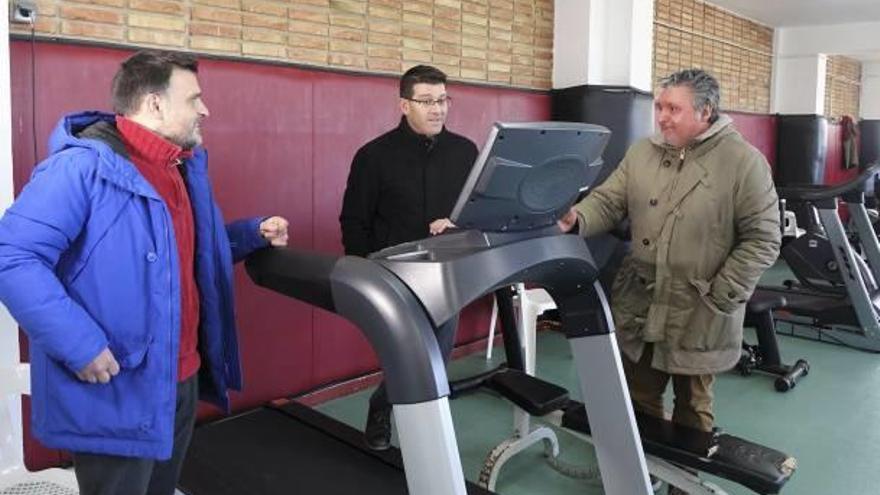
(525, 178)
(837, 297)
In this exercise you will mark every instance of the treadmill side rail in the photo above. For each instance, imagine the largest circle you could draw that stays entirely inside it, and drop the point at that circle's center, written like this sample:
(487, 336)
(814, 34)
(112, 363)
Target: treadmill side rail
(421, 463)
(618, 445)
(867, 238)
(396, 325)
(857, 288)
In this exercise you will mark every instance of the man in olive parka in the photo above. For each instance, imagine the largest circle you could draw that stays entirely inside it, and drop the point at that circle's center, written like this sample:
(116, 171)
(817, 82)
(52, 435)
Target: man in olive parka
(705, 225)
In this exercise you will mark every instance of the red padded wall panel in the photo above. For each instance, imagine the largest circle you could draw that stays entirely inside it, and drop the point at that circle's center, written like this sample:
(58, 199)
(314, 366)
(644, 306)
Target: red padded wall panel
(37, 456)
(68, 79)
(351, 110)
(259, 136)
(473, 111)
(517, 106)
(759, 130)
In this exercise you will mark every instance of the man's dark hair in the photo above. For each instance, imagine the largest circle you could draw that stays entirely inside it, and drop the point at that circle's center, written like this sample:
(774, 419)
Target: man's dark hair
(147, 71)
(420, 74)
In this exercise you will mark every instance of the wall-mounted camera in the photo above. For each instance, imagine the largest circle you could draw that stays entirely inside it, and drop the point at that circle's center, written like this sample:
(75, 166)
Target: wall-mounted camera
(24, 11)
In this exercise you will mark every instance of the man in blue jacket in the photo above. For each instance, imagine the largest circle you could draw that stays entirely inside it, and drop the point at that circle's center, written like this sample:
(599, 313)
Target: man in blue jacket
(116, 262)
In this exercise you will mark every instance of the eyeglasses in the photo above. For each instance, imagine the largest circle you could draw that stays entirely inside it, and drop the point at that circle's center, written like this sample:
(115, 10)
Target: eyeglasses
(442, 102)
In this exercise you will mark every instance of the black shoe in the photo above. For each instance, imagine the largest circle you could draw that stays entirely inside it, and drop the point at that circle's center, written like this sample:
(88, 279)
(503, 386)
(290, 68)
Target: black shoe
(378, 431)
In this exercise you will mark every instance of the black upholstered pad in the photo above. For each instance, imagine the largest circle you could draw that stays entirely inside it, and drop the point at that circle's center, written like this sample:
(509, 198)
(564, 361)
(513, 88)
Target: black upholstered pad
(754, 466)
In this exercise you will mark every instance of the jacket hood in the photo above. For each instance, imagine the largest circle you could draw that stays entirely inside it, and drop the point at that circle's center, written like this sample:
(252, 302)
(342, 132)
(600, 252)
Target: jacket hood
(68, 131)
(97, 131)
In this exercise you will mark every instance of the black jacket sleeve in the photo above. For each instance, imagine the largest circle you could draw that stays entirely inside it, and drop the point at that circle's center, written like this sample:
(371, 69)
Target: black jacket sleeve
(359, 206)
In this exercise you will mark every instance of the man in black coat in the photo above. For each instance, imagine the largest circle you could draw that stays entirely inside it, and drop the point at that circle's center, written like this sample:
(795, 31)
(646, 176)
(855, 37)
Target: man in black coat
(402, 187)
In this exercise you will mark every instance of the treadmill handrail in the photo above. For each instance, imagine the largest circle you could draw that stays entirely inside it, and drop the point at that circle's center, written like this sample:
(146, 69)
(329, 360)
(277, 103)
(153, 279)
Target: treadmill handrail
(561, 264)
(817, 192)
(376, 301)
(298, 273)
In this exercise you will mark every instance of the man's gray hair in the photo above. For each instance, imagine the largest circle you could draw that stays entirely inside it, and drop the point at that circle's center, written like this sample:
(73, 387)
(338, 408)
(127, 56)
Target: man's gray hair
(704, 86)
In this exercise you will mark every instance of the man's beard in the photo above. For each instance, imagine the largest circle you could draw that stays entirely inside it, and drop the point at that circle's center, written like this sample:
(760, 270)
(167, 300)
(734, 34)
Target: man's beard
(190, 141)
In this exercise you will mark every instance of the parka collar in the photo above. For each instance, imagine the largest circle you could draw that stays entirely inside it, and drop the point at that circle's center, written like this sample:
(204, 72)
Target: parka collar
(721, 126)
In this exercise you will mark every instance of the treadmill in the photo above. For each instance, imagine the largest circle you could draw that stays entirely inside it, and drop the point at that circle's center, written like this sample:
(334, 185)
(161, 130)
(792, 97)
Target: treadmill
(838, 295)
(525, 178)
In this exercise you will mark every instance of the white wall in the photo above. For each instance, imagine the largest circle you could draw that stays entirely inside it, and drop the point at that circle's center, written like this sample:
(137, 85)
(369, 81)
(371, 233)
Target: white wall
(571, 19)
(642, 46)
(799, 84)
(603, 42)
(869, 107)
(840, 39)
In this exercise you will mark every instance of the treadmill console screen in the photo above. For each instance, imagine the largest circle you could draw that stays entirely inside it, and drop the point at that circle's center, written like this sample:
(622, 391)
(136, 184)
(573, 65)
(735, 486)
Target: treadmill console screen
(528, 175)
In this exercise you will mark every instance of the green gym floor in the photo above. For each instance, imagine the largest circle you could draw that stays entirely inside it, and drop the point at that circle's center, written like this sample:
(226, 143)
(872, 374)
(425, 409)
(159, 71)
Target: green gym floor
(829, 422)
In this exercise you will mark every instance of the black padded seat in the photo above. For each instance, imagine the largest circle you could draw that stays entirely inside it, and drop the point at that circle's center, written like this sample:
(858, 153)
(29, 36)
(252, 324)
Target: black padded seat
(754, 466)
(765, 301)
(531, 394)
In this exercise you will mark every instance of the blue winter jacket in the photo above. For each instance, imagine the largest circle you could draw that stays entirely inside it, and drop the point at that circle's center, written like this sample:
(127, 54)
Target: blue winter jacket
(88, 260)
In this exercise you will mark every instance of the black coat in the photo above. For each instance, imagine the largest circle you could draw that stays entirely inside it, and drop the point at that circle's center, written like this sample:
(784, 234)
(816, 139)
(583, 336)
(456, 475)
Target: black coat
(398, 184)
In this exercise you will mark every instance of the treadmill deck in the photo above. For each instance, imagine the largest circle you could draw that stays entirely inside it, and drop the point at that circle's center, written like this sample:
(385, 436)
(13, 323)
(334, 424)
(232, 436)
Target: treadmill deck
(288, 449)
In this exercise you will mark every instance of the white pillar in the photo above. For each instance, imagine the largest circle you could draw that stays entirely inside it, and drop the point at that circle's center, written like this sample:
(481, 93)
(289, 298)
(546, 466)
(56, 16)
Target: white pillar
(799, 84)
(869, 107)
(10, 399)
(603, 42)
(570, 42)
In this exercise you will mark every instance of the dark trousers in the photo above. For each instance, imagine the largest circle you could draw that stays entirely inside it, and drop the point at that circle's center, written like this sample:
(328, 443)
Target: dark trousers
(445, 339)
(99, 474)
(693, 393)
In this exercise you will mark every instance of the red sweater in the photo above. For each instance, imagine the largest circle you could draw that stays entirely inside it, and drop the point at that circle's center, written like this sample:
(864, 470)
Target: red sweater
(157, 160)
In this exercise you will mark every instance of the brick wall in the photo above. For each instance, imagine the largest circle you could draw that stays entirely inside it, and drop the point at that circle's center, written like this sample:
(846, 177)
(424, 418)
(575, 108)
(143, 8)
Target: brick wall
(508, 42)
(842, 87)
(737, 51)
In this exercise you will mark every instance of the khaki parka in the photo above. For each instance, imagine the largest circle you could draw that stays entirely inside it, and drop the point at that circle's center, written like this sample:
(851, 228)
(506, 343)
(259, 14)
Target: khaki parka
(705, 226)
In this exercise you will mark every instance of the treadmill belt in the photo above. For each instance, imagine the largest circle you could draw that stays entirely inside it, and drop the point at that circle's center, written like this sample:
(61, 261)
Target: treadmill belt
(290, 449)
